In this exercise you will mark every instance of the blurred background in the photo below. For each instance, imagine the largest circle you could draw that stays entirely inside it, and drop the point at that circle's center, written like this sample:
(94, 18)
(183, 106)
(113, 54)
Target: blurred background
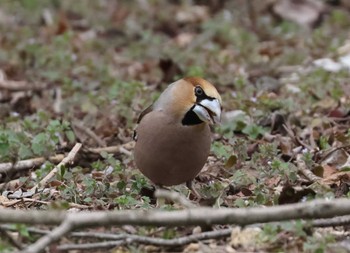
(103, 61)
(82, 71)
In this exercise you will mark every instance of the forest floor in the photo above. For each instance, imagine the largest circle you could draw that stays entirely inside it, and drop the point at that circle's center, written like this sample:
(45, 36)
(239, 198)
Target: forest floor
(82, 71)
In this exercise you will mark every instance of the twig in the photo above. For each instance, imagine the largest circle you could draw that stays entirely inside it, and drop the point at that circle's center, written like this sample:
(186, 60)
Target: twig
(305, 171)
(57, 104)
(14, 202)
(36, 162)
(93, 246)
(173, 196)
(113, 149)
(291, 134)
(27, 164)
(339, 119)
(331, 151)
(187, 217)
(332, 222)
(53, 236)
(20, 86)
(125, 151)
(149, 240)
(203, 216)
(89, 133)
(69, 158)
(120, 239)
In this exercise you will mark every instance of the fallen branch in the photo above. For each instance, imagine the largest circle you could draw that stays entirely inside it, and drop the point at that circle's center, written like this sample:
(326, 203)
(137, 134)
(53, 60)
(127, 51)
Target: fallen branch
(38, 161)
(94, 246)
(203, 216)
(20, 86)
(24, 200)
(127, 239)
(332, 222)
(68, 159)
(114, 149)
(195, 216)
(331, 151)
(28, 164)
(53, 236)
(305, 171)
(122, 239)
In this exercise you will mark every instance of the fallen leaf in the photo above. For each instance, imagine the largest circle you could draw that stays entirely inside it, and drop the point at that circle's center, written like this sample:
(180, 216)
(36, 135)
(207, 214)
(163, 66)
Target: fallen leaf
(244, 238)
(306, 13)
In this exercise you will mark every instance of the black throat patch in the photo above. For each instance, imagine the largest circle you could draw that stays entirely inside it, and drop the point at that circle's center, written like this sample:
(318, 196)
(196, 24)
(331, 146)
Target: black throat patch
(191, 118)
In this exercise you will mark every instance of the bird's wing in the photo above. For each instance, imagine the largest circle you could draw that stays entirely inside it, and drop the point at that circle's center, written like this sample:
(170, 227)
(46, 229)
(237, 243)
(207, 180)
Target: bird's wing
(143, 113)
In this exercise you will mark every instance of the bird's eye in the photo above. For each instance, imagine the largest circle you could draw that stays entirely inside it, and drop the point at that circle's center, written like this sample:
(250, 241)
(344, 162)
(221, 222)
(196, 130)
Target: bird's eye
(198, 91)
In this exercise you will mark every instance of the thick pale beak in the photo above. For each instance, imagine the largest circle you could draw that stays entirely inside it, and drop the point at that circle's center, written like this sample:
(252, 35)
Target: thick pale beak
(208, 111)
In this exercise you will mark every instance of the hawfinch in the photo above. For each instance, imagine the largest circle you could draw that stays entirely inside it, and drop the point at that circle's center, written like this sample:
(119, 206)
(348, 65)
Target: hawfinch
(173, 135)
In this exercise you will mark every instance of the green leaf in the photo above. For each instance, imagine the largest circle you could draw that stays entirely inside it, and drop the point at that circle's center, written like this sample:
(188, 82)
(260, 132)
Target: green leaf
(70, 135)
(253, 131)
(38, 141)
(24, 152)
(23, 230)
(4, 145)
(88, 200)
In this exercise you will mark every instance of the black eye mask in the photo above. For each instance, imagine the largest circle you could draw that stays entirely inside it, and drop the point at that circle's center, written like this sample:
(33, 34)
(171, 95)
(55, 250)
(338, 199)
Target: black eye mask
(191, 118)
(200, 94)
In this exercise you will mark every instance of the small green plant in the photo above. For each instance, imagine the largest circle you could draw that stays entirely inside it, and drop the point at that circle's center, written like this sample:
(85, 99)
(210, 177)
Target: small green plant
(221, 150)
(30, 139)
(253, 131)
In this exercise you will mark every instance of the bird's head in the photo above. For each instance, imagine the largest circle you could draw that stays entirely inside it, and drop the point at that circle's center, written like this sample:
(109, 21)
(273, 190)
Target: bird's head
(192, 100)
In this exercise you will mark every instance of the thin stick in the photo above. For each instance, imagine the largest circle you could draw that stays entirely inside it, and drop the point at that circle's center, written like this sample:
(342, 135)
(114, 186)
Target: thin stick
(38, 161)
(93, 246)
(14, 202)
(20, 86)
(89, 133)
(69, 158)
(53, 236)
(28, 164)
(150, 240)
(187, 217)
(113, 149)
(305, 171)
(121, 239)
(331, 222)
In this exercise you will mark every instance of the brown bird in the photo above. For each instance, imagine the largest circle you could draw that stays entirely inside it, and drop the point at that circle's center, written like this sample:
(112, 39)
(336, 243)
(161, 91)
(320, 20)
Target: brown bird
(173, 135)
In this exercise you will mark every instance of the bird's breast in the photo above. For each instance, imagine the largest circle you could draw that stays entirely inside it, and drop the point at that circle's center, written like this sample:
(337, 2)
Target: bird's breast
(169, 153)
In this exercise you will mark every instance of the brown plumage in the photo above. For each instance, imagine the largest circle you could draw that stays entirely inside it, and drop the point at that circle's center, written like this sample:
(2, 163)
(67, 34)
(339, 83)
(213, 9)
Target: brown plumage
(173, 136)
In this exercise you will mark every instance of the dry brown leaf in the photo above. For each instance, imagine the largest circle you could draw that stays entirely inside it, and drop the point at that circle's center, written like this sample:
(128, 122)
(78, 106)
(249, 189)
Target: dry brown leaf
(306, 13)
(328, 171)
(336, 159)
(337, 178)
(192, 247)
(244, 238)
(3, 199)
